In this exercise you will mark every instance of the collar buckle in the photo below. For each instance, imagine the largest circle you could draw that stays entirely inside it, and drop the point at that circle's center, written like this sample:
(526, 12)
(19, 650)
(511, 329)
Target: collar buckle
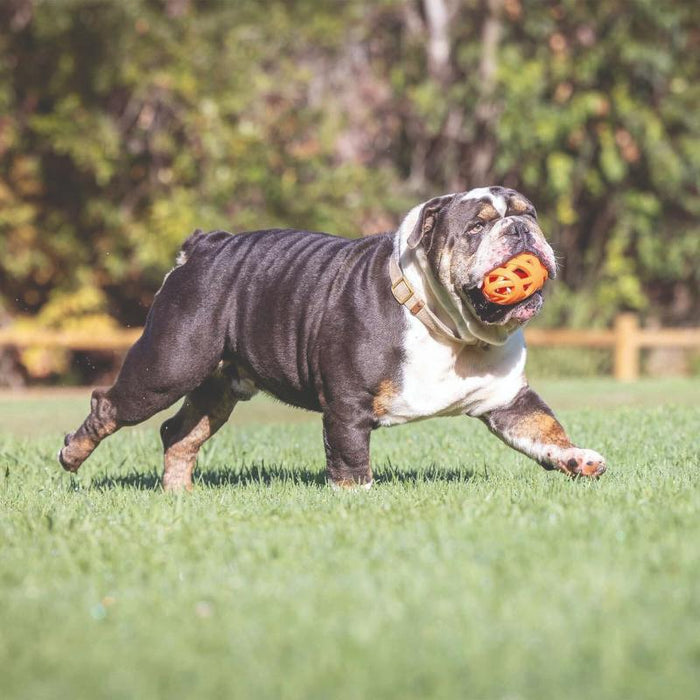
(402, 293)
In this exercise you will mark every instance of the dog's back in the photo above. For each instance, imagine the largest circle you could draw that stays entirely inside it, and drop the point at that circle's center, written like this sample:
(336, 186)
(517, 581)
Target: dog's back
(276, 302)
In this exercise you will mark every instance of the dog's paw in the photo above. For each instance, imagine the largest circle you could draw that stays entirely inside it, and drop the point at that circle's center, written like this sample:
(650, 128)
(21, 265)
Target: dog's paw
(575, 461)
(73, 453)
(347, 485)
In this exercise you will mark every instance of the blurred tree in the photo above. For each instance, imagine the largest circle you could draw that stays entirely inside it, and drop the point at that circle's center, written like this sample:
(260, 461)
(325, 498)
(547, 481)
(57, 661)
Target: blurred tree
(124, 125)
(129, 124)
(591, 109)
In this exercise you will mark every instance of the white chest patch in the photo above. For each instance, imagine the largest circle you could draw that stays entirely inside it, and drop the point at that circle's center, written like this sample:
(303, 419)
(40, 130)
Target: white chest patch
(446, 379)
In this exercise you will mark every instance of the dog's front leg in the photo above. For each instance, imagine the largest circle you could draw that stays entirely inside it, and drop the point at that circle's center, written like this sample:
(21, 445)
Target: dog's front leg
(347, 452)
(528, 425)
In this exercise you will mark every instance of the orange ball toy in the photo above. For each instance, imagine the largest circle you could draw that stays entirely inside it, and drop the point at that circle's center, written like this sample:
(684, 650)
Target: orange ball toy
(515, 280)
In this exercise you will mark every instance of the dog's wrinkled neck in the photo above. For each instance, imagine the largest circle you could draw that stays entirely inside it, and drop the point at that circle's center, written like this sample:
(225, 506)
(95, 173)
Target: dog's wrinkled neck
(440, 297)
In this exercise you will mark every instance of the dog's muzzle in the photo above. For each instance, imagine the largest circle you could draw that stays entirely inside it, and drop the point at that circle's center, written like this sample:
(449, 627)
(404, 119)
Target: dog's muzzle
(488, 312)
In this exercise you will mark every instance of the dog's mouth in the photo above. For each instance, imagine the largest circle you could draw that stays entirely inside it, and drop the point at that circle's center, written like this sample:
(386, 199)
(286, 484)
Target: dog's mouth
(491, 313)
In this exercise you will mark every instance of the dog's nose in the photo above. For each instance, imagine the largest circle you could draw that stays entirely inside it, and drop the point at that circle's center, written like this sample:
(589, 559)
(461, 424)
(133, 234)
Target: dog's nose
(517, 231)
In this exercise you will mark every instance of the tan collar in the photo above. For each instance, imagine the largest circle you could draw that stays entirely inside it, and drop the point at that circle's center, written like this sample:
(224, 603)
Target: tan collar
(403, 293)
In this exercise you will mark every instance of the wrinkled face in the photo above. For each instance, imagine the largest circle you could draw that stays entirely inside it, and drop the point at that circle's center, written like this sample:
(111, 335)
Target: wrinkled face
(464, 236)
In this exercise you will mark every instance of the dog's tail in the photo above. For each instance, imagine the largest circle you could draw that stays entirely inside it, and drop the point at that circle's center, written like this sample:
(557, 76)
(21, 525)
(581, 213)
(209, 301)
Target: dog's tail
(188, 246)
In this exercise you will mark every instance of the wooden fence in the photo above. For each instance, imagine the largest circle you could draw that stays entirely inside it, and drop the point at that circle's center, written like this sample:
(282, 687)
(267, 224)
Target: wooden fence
(626, 339)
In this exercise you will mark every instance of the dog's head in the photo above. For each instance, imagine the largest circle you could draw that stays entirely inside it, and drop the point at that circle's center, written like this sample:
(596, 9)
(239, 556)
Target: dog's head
(464, 236)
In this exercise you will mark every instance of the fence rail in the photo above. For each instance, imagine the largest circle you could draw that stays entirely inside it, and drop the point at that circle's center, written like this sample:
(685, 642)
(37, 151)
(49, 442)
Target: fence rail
(626, 339)
(115, 339)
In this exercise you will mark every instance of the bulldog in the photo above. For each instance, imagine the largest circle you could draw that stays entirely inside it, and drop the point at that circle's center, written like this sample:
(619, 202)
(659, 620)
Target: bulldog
(370, 332)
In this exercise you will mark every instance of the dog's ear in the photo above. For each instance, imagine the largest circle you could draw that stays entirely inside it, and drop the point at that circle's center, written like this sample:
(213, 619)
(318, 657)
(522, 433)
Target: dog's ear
(428, 218)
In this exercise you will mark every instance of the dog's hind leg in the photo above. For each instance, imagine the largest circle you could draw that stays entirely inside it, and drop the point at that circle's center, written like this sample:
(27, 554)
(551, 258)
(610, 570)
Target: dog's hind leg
(203, 412)
(172, 358)
(125, 403)
(147, 384)
(100, 423)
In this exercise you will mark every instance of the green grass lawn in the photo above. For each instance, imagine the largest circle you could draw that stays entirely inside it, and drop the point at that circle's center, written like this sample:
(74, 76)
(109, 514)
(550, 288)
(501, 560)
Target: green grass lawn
(466, 572)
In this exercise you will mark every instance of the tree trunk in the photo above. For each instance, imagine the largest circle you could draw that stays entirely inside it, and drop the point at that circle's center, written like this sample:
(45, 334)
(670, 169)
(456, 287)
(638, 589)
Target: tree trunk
(486, 110)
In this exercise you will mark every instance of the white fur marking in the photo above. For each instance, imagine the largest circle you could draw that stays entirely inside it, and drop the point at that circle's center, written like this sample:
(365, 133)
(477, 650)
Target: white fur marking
(180, 260)
(357, 487)
(538, 451)
(555, 456)
(444, 378)
(499, 203)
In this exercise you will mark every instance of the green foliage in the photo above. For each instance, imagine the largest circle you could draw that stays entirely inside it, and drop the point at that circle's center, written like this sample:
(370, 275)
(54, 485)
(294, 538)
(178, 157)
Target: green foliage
(125, 125)
(597, 106)
(133, 127)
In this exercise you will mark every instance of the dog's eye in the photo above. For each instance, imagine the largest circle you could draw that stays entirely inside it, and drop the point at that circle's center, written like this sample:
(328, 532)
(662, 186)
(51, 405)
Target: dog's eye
(476, 227)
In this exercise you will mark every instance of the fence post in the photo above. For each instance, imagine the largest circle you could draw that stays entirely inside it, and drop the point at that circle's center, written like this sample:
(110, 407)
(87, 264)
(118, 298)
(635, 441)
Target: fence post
(626, 366)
